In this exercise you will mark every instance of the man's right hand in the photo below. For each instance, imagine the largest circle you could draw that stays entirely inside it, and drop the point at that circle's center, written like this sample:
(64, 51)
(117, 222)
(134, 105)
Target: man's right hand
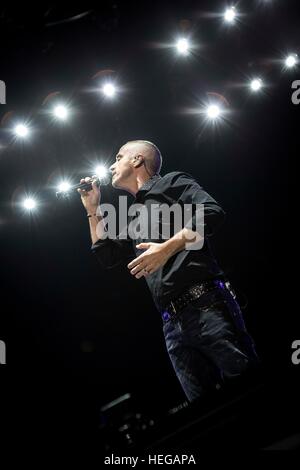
(90, 199)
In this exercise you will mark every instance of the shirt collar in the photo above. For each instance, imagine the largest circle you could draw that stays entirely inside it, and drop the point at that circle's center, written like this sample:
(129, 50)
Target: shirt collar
(148, 184)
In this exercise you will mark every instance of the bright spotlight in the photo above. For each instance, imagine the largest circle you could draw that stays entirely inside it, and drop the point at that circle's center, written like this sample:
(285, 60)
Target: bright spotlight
(101, 171)
(109, 90)
(256, 84)
(21, 130)
(213, 112)
(230, 15)
(29, 204)
(64, 187)
(183, 46)
(61, 112)
(291, 61)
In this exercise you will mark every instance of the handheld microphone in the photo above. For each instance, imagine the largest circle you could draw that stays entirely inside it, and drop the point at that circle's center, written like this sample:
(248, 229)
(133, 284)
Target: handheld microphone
(103, 181)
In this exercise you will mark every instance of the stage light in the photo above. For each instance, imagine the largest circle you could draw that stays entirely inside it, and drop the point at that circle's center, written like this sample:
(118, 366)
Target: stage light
(21, 130)
(101, 171)
(64, 186)
(29, 204)
(291, 61)
(256, 84)
(183, 46)
(61, 112)
(230, 15)
(109, 90)
(213, 112)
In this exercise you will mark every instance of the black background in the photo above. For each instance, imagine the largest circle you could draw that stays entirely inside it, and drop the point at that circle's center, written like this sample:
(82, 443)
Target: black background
(78, 337)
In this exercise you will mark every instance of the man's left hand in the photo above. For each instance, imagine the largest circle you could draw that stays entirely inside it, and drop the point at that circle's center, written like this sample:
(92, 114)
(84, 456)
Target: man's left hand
(155, 256)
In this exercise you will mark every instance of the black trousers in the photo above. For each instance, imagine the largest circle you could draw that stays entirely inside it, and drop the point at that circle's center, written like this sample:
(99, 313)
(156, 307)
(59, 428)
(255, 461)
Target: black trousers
(208, 343)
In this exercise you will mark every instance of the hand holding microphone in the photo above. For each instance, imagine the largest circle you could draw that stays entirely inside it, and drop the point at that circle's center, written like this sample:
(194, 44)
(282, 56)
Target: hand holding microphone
(90, 197)
(65, 189)
(89, 190)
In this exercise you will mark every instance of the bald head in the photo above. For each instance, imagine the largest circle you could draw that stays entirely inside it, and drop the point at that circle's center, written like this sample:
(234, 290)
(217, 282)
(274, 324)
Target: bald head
(135, 163)
(151, 154)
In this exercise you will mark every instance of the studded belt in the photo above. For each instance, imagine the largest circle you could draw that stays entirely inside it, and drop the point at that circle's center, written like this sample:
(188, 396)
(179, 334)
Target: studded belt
(173, 309)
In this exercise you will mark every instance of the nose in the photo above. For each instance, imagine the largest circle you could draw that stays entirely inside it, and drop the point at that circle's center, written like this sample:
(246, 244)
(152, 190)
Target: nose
(111, 168)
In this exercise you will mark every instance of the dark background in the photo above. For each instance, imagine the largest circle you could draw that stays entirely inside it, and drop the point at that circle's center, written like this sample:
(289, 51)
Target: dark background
(78, 337)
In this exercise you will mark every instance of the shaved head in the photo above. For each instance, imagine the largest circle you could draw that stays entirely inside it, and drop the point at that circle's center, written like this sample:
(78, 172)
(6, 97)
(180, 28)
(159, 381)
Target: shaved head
(136, 162)
(151, 154)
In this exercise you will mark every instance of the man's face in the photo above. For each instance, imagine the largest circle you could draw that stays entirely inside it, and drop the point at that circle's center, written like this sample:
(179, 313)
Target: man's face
(122, 170)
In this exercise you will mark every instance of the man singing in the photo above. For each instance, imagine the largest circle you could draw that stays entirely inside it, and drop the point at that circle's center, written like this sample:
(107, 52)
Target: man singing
(203, 326)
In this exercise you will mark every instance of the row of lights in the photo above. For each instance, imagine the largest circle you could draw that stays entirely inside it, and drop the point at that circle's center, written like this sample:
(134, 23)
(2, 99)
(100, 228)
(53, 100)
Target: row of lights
(109, 90)
(30, 203)
(61, 111)
(183, 47)
(212, 111)
(230, 16)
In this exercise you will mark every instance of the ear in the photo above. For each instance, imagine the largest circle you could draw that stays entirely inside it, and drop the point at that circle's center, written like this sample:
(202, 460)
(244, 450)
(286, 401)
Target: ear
(138, 161)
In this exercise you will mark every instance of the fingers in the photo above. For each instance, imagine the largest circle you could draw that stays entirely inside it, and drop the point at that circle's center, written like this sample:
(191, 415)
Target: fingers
(141, 270)
(137, 269)
(81, 191)
(95, 186)
(139, 275)
(135, 262)
(143, 246)
(143, 273)
(84, 192)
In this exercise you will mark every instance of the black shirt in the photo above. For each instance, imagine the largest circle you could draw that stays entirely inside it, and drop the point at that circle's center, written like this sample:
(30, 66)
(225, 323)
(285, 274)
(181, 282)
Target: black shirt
(186, 267)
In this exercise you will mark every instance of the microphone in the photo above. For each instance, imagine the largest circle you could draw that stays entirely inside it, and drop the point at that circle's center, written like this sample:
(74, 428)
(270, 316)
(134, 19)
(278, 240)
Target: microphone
(100, 181)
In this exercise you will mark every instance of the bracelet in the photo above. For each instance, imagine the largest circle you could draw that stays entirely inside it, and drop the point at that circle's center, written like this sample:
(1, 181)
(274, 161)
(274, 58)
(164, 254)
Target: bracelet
(100, 217)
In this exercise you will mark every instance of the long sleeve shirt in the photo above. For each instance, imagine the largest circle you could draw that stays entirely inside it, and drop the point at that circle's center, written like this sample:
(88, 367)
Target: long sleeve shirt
(185, 268)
